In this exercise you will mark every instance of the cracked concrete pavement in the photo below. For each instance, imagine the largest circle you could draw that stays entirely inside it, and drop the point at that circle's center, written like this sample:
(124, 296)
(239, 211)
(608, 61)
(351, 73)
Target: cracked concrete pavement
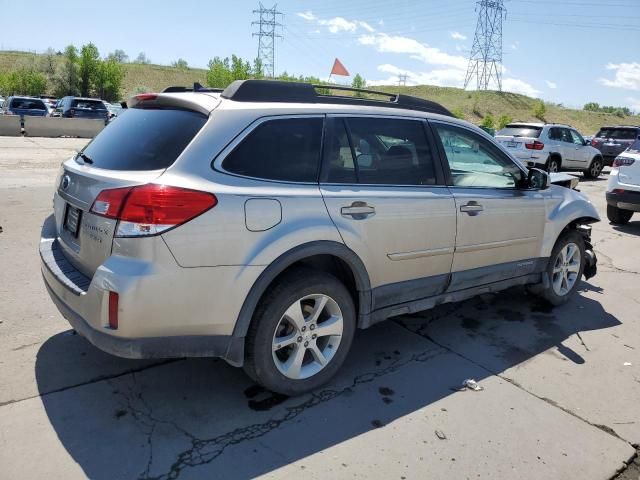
(559, 400)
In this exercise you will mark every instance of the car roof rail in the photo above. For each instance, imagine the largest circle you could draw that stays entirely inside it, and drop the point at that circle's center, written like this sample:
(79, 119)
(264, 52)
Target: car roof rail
(196, 88)
(297, 92)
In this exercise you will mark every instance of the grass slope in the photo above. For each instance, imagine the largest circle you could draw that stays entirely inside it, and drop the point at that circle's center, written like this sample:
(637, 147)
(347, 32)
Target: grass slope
(474, 105)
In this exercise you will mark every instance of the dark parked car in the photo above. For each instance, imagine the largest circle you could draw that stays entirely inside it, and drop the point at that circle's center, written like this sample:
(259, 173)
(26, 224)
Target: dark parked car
(79, 107)
(34, 107)
(612, 141)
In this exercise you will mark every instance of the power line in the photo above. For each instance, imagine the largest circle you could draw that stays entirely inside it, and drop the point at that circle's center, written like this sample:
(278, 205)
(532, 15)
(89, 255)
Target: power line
(485, 61)
(267, 37)
(402, 80)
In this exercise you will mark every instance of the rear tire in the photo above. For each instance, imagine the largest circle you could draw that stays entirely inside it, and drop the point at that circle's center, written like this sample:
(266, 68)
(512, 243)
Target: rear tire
(595, 169)
(564, 270)
(553, 165)
(301, 332)
(618, 216)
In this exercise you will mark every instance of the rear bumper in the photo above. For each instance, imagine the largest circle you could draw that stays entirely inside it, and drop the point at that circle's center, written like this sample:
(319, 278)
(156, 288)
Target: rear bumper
(628, 200)
(152, 347)
(164, 310)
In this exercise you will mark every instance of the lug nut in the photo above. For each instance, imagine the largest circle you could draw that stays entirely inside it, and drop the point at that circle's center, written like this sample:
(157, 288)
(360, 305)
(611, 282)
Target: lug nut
(306, 344)
(313, 336)
(304, 328)
(299, 339)
(312, 327)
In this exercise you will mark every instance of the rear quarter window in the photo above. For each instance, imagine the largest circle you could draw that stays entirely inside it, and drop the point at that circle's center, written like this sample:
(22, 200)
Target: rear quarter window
(144, 139)
(285, 149)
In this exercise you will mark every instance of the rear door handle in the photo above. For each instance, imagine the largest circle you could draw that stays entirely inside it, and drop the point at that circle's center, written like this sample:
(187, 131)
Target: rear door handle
(358, 210)
(472, 208)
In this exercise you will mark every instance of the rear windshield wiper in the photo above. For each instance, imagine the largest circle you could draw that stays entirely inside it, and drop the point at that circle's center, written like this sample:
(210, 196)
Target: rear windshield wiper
(84, 157)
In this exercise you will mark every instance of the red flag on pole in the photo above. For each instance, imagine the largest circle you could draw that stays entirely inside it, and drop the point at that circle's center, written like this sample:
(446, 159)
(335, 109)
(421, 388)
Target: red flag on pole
(338, 69)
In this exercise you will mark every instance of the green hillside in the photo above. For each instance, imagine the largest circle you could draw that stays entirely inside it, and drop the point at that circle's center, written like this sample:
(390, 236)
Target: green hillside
(473, 105)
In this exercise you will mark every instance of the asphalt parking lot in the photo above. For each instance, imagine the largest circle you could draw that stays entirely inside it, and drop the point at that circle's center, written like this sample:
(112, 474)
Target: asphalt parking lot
(560, 398)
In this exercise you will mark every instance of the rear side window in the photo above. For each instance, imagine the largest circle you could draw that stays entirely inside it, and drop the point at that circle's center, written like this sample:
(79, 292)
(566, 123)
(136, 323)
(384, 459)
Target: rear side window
(285, 149)
(618, 133)
(379, 151)
(144, 139)
(89, 104)
(520, 131)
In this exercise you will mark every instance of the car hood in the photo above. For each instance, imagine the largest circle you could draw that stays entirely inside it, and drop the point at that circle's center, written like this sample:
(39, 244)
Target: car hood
(564, 180)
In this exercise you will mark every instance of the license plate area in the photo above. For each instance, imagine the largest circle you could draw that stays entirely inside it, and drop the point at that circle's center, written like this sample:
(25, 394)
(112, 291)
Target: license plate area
(511, 144)
(72, 219)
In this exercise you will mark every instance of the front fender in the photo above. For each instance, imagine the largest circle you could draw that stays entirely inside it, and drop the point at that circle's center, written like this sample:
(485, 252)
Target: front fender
(564, 207)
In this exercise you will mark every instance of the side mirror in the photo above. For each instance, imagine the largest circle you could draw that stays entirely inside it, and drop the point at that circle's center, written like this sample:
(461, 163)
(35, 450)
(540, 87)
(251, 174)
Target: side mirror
(538, 179)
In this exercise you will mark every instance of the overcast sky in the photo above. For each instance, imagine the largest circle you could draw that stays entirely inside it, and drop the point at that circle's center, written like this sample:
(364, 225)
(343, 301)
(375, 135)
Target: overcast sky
(567, 51)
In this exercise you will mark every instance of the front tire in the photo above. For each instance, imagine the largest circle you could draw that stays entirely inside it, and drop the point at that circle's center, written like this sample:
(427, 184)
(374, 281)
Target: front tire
(301, 332)
(565, 268)
(618, 216)
(595, 169)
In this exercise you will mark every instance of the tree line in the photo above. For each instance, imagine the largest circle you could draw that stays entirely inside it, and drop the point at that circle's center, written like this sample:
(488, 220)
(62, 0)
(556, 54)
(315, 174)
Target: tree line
(79, 72)
(82, 72)
(619, 111)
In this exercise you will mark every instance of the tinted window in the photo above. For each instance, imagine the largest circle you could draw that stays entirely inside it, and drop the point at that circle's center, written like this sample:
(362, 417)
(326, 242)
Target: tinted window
(28, 104)
(338, 153)
(89, 104)
(144, 139)
(287, 150)
(520, 131)
(618, 133)
(387, 152)
(555, 134)
(475, 162)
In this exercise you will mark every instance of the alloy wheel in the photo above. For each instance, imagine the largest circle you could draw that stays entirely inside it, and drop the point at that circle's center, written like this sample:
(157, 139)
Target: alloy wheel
(307, 336)
(566, 268)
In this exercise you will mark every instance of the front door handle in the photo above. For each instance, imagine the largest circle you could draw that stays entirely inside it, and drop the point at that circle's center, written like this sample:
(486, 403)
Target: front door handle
(472, 208)
(358, 210)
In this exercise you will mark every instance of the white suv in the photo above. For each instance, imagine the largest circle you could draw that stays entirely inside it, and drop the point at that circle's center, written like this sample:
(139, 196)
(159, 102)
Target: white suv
(551, 146)
(623, 190)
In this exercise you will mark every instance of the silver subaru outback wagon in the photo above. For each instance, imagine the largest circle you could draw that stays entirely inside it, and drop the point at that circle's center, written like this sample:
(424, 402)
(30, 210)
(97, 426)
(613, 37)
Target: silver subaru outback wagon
(264, 223)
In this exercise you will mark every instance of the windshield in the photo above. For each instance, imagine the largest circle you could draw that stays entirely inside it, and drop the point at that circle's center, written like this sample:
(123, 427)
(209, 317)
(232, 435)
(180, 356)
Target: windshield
(143, 139)
(520, 131)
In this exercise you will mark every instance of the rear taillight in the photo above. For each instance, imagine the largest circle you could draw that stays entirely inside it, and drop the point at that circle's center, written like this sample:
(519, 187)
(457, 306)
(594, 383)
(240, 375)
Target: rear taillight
(595, 141)
(623, 161)
(151, 209)
(536, 145)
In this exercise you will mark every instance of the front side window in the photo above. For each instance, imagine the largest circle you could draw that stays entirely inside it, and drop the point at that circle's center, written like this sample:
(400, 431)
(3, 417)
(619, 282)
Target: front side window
(379, 151)
(475, 162)
(576, 137)
(285, 149)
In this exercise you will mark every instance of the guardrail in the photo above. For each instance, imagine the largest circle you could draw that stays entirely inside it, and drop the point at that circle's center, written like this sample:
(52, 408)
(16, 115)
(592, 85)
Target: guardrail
(15, 126)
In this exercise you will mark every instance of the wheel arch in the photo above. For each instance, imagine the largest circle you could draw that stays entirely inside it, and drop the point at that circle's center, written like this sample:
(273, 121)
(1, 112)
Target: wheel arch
(556, 156)
(320, 254)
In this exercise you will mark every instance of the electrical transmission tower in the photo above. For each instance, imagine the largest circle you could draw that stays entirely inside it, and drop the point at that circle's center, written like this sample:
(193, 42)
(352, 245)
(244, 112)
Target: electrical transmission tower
(485, 61)
(402, 80)
(267, 22)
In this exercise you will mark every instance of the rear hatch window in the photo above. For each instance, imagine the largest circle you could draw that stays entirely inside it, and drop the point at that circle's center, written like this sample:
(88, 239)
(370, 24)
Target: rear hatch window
(89, 104)
(28, 104)
(618, 133)
(520, 131)
(143, 139)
